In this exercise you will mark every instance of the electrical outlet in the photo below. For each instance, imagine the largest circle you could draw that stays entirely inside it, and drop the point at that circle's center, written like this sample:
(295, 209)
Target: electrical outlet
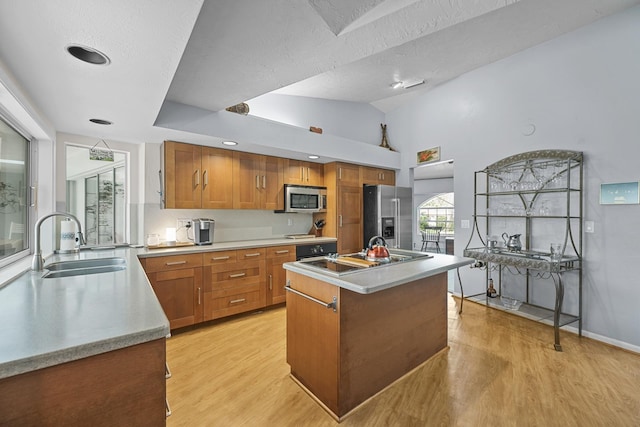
(289, 222)
(589, 227)
(465, 223)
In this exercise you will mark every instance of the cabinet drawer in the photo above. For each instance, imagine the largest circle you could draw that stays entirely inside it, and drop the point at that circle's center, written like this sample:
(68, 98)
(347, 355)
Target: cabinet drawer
(222, 257)
(216, 307)
(251, 254)
(234, 274)
(173, 262)
(281, 252)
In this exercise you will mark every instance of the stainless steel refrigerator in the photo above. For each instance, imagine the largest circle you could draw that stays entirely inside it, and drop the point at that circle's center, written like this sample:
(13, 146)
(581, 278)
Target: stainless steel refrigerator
(387, 213)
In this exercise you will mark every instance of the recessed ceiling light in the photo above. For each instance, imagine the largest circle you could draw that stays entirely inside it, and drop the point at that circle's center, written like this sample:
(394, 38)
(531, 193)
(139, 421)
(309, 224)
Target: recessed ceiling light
(229, 143)
(313, 156)
(101, 122)
(87, 54)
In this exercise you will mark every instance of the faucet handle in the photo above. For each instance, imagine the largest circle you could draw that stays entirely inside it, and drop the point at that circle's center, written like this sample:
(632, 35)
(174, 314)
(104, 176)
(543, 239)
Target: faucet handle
(80, 241)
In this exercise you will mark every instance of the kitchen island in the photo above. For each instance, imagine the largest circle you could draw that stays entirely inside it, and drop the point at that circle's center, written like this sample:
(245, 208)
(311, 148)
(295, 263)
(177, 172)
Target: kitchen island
(351, 335)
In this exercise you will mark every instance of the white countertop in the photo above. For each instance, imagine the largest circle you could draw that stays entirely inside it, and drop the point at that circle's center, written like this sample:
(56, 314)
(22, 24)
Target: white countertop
(46, 322)
(225, 246)
(369, 280)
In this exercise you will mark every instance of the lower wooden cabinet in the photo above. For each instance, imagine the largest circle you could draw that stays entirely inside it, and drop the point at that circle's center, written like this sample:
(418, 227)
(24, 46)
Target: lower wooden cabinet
(276, 274)
(124, 387)
(177, 282)
(234, 282)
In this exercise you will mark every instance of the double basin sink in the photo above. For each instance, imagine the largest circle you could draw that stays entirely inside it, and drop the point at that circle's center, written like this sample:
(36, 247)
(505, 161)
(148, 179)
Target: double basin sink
(84, 267)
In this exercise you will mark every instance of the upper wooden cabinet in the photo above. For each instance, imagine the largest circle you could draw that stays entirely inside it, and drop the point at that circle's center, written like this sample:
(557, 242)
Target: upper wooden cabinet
(258, 181)
(190, 172)
(375, 176)
(303, 173)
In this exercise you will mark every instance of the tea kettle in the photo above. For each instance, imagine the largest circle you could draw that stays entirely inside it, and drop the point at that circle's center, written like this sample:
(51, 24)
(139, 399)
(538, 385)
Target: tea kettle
(512, 242)
(377, 248)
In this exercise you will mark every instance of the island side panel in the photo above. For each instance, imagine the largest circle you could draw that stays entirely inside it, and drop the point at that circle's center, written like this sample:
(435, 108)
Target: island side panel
(386, 334)
(312, 338)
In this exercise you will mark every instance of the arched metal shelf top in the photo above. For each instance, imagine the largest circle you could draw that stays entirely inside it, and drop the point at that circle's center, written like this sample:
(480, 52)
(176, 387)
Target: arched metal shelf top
(538, 156)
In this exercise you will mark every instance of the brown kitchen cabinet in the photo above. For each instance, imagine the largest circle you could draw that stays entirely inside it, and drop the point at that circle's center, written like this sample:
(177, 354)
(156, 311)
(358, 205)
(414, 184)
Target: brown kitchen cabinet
(177, 283)
(344, 206)
(276, 274)
(299, 172)
(258, 181)
(234, 282)
(197, 177)
(378, 176)
(124, 387)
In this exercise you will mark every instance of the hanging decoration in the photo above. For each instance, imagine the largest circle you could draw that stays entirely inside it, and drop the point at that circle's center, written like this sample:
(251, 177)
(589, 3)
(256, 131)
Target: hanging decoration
(100, 154)
(242, 108)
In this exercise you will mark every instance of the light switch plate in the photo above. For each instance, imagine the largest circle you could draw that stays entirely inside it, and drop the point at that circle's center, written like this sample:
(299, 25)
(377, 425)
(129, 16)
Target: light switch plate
(589, 227)
(464, 223)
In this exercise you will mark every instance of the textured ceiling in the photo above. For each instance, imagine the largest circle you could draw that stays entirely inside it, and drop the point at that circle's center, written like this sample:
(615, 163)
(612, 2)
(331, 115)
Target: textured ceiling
(216, 53)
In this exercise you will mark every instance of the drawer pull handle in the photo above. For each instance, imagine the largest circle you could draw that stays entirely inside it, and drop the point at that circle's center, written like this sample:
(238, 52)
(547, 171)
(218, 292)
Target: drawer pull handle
(333, 304)
(199, 292)
(252, 255)
(270, 282)
(235, 301)
(219, 258)
(282, 252)
(234, 276)
(175, 263)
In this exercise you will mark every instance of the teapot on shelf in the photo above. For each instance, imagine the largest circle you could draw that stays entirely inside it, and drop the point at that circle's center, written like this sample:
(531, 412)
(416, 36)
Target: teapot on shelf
(512, 242)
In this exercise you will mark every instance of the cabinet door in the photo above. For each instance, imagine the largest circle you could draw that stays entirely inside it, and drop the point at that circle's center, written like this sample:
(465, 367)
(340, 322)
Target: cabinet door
(348, 174)
(315, 174)
(349, 219)
(272, 186)
(293, 172)
(182, 180)
(180, 295)
(276, 274)
(247, 180)
(303, 173)
(217, 178)
(313, 338)
(377, 176)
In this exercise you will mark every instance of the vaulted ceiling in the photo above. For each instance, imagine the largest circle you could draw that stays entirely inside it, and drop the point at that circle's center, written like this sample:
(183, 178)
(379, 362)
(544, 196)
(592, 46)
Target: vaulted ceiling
(216, 53)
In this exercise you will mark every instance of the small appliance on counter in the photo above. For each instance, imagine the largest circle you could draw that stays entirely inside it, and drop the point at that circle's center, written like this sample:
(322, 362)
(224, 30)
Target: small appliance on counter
(203, 231)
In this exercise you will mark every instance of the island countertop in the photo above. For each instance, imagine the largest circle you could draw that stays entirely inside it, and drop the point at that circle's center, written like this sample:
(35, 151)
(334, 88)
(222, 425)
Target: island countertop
(46, 322)
(375, 279)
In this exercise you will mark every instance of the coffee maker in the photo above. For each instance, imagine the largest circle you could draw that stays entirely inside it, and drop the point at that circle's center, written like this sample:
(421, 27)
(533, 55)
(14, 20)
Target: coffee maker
(203, 231)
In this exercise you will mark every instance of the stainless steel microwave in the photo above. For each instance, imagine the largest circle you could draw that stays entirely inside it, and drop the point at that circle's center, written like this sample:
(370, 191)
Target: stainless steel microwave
(306, 199)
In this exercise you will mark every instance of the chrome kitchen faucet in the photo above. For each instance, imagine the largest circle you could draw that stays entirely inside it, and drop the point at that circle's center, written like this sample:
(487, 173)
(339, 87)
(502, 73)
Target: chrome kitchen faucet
(37, 263)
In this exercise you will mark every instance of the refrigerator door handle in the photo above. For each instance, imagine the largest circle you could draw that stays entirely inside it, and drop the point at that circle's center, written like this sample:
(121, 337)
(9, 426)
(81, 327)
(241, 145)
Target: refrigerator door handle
(396, 221)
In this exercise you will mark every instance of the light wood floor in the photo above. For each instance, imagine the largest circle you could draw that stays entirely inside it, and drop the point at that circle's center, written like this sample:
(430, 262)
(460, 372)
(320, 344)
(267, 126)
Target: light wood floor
(499, 370)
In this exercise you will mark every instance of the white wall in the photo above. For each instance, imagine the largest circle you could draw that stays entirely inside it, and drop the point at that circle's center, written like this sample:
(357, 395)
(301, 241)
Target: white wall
(581, 92)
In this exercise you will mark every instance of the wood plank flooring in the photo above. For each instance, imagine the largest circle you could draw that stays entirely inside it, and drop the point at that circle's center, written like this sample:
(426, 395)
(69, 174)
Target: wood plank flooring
(499, 370)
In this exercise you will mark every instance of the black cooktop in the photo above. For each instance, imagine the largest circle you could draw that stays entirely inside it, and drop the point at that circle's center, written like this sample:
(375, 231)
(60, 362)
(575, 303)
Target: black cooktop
(328, 264)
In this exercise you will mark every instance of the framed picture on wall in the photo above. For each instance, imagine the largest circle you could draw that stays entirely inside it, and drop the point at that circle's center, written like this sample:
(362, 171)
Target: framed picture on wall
(619, 193)
(428, 156)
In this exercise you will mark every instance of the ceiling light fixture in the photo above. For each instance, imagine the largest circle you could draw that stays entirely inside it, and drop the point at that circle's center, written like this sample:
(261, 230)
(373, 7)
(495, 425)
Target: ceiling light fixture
(412, 83)
(229, 143)
(313, 156)
(396, 85)
(88, 54)
(101, 122)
